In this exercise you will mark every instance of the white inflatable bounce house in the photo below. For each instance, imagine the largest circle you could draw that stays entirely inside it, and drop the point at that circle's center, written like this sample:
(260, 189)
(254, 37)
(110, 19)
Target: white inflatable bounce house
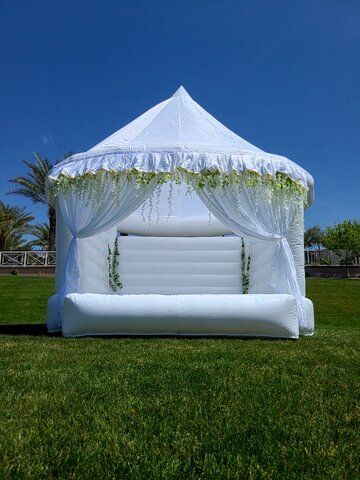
(174, 225)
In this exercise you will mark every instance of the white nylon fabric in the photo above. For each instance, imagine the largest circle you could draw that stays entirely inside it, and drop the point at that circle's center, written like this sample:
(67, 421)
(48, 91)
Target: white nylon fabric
(179, 133)
(176, 123)
(85, 216)
(178, 265)
(93, 316)
(295, 237)
(261, 254)
(234, 315)
(94, 264)
(263, 216)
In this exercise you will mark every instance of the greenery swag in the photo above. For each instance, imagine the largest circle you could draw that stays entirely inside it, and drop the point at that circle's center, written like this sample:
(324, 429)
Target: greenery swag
(91, 186)
(245, 268)
(113, 264)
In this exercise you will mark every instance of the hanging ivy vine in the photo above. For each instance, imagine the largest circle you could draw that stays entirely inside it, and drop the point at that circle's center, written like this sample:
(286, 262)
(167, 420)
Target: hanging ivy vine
(113, 266)
(245, 268)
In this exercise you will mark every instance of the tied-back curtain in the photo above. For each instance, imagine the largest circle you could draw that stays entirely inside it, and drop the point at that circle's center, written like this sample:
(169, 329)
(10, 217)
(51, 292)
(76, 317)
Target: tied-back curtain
(261, 213)
(89, 212)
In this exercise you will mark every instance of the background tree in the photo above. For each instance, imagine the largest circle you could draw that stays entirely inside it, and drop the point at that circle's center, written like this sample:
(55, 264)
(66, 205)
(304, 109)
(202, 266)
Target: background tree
(313, 237)
(33, 185)
(344, 239)
(41, 233)
(14, 224)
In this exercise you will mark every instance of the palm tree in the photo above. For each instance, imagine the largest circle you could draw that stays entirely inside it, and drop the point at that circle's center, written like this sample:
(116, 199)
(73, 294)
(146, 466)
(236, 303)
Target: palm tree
(33, 186)
(41, 233)
(14, 223)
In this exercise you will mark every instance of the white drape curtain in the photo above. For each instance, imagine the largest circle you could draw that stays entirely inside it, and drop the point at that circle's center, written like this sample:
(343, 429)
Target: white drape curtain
(261, 213)
(89, 213)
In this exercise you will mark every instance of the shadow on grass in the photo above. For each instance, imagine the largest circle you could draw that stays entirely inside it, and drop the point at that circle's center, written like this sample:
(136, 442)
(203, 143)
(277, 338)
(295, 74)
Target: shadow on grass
(40, 330)
(33, 329)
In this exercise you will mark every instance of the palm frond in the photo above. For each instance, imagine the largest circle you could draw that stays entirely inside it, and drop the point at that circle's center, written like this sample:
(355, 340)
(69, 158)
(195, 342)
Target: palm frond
(41, 233)
(32, 184)
(14, 223)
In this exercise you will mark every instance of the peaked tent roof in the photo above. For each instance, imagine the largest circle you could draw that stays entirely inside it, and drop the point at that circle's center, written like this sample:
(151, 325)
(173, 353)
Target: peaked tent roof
(178, 123)
(178, 132)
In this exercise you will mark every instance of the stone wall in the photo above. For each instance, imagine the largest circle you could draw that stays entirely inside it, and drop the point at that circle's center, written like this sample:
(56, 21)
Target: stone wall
(332, 271)
(28, 270)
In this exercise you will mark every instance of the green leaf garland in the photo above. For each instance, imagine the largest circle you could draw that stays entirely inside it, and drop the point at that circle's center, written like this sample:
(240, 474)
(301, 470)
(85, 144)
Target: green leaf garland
(113, 265)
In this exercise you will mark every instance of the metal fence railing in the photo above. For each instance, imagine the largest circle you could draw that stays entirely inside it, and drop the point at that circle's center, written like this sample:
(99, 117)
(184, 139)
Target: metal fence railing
(33, 258)
(40, 258)
(327, 257)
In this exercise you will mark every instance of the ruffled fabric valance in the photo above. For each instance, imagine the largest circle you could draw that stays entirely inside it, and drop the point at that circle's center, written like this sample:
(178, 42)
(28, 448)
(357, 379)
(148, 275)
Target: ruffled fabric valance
(171, 161)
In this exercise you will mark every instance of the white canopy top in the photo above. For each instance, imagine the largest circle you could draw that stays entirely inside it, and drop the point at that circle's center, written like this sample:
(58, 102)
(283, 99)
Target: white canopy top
(178, 123)
(178, 132)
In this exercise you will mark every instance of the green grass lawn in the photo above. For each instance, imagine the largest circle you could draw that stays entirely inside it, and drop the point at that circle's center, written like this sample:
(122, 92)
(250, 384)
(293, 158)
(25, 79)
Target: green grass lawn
(179, 409)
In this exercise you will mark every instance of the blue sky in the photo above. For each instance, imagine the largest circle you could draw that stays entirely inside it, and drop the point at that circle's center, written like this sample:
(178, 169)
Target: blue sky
(284, 75)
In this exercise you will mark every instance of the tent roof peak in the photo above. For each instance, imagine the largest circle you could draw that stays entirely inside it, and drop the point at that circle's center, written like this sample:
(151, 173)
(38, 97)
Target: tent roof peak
(181, 92)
